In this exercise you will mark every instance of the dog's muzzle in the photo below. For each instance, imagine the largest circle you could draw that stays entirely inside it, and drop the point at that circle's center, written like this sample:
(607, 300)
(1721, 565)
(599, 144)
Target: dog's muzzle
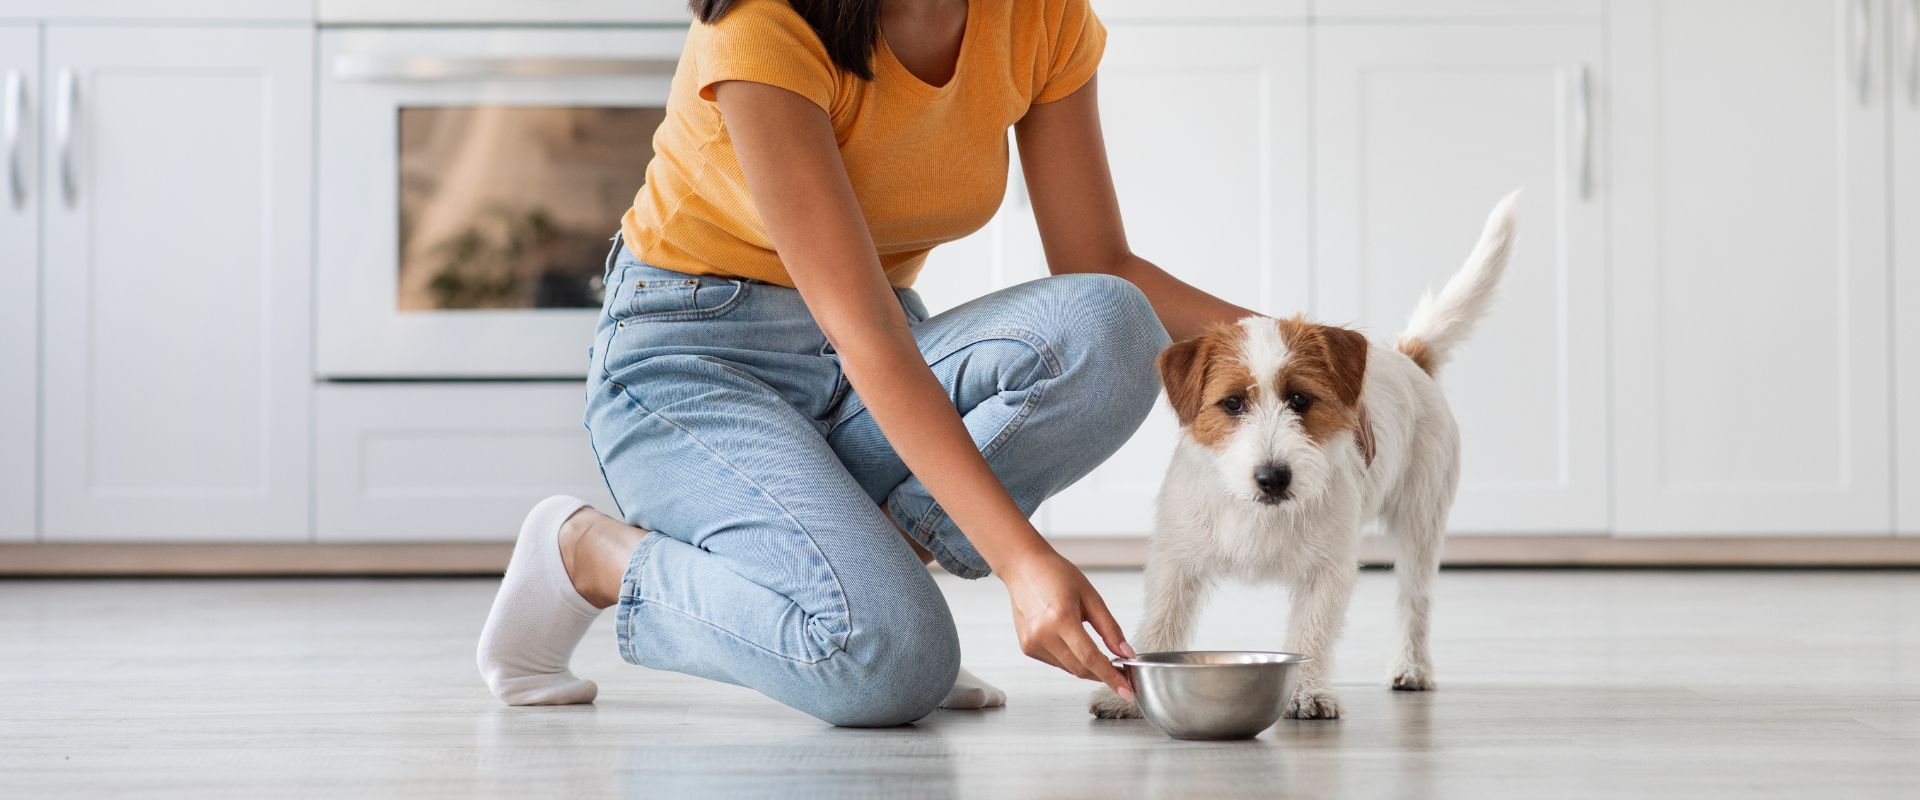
(1273, 480)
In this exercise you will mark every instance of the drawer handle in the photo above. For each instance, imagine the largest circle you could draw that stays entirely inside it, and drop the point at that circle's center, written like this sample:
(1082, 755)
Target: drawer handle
(10, 124)
(1913, 53)
(1862, 20)
(1583, 132)
(63, 124)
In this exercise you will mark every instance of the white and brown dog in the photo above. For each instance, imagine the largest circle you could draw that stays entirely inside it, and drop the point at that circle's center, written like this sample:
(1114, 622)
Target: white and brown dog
(1293, 435)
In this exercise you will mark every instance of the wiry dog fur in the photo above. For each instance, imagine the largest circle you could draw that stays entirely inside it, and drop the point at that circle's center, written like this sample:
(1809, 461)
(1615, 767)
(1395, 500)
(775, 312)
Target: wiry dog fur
(1347, 431)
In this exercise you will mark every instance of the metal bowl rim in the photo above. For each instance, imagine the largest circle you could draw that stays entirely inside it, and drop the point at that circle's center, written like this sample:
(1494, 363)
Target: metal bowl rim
(1285, 658)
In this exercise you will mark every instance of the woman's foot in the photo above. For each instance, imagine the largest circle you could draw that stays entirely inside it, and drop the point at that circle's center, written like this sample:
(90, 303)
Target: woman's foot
(969, 692)
(540, 613)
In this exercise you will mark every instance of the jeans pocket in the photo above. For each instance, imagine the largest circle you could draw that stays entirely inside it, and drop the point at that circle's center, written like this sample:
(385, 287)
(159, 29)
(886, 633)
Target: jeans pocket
(682, 299)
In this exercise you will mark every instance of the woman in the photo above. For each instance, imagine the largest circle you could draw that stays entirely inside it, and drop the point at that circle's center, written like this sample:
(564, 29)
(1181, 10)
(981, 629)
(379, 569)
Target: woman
(788, 434)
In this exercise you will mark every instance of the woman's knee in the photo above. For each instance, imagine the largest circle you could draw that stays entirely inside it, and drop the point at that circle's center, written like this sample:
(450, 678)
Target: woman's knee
(1111, 328)
(889, 676)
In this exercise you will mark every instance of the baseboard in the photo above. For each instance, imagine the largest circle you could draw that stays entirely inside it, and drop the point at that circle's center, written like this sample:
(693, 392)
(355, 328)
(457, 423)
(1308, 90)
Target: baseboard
(489, 558)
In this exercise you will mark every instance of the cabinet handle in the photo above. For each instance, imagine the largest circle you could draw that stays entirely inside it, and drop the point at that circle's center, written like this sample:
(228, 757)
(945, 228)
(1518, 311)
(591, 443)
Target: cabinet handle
(1913, 53)
(69, 94)
(10, 123)
(368, 67)
(1863, 49)
(1583, 132)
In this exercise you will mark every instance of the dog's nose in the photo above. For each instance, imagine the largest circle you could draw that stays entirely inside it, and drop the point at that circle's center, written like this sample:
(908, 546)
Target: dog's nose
(1273, 479)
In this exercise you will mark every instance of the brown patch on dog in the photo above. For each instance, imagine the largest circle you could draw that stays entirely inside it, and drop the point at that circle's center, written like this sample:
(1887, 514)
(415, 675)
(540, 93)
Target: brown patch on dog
(1417, 350)
(1200, 372)
(1325, 363)
(1329, 365)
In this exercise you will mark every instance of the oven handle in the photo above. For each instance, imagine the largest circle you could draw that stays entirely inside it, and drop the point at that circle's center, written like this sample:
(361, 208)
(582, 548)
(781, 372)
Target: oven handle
(368, 67)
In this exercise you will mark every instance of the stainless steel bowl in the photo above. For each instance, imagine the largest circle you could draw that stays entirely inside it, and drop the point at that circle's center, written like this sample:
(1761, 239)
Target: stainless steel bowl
(1212, 694)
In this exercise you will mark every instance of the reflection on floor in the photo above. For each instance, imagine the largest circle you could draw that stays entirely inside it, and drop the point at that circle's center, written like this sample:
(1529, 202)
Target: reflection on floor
(1642, 684)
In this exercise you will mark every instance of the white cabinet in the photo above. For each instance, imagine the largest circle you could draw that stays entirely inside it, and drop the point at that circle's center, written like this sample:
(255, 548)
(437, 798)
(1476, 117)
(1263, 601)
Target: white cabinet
(1206, 132)
(177, 282)
(19, 280)
(1904, 93)
(447, 462)
(1417, 133)
(1750, 267)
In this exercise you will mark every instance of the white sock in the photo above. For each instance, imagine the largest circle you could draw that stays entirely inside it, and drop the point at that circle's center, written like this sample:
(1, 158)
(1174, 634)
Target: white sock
(969, 692)
(537, 618)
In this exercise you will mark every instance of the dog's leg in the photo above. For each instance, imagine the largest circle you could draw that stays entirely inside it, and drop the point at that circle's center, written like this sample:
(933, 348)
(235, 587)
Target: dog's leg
(1416, 533)
(1175, 592)
(1319, 609)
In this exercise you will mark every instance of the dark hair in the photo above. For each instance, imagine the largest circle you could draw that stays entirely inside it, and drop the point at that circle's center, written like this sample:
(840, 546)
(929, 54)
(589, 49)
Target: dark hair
(850, 29)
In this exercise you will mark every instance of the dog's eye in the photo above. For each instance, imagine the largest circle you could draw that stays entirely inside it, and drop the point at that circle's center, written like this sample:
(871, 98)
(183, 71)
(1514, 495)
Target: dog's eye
(1299, 402)
(1234, 404)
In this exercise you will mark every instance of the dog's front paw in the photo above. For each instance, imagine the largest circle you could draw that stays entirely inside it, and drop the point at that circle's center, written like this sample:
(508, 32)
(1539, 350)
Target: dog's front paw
(1408, 677)
(1318, 704)
(1107, 705)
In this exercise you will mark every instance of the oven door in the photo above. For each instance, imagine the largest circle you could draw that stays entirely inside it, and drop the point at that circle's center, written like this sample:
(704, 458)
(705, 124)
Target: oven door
(469, 182)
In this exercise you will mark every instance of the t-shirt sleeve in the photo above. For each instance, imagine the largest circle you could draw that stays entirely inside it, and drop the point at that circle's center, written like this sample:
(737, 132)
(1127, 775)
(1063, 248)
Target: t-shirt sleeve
(762, 42)
(1076, 40)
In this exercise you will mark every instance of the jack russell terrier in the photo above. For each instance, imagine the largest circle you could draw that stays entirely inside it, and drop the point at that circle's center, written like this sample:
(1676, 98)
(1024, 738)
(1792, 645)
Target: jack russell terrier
(1294, 434)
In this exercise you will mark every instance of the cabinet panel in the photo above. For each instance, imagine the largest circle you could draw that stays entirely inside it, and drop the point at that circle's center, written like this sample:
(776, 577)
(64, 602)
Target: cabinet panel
(447, 462)
(1216, 193)
(1750, 268)
(177, 283)
(19, 281)
(1905, 91)
(1417, 134)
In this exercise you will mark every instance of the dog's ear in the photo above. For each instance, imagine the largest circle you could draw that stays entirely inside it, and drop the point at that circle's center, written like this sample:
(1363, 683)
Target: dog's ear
(1347, 359)
(1183, 371)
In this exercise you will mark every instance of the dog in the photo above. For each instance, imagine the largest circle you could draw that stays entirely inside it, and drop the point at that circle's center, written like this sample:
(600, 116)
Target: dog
(1293, 435)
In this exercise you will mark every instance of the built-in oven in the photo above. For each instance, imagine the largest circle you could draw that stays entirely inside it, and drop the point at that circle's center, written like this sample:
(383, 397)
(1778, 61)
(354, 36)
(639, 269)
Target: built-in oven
(469, 181)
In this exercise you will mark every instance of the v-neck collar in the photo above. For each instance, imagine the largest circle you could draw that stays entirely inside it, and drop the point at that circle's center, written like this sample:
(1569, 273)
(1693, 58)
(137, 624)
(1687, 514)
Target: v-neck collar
(891, 62)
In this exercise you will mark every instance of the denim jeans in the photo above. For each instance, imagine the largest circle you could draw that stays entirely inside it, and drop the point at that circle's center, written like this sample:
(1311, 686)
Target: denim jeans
(723, 423)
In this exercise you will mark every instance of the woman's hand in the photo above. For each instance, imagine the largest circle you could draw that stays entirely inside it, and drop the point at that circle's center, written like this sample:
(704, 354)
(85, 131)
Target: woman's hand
(1052, 602)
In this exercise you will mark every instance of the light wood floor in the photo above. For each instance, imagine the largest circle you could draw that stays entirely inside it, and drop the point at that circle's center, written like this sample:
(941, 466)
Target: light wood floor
(1553, 684)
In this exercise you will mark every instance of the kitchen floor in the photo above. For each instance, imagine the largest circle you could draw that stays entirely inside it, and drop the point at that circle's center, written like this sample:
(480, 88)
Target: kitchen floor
(1553, 684)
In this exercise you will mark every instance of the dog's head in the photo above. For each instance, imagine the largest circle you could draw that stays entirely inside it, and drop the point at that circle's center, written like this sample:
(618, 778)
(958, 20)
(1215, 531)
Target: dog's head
(1269, 397)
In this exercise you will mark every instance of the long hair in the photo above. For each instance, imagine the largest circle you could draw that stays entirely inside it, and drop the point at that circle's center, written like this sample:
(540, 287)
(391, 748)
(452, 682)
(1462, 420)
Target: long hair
(850, 29)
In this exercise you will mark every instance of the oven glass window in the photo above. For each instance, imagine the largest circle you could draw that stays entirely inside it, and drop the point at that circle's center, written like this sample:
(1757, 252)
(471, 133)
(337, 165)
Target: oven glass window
(507, 207)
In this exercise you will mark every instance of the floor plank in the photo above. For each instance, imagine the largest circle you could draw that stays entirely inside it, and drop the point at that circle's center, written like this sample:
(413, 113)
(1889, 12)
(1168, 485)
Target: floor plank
(1553, 683)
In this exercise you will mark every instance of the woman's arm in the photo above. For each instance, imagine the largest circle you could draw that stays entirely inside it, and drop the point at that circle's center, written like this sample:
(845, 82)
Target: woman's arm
(799, 185)
(1064, 158)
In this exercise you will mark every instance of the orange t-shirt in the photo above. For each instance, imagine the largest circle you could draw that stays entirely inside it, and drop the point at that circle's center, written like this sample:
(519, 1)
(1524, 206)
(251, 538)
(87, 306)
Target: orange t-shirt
(928, 164)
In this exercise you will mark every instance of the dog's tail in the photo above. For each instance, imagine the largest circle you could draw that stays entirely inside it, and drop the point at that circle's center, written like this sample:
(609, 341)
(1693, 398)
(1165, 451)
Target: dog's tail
(1441, 322)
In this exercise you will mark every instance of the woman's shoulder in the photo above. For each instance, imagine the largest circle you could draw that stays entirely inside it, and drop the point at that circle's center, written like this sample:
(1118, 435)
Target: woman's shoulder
(763, 41)
(762, 22)
(1055, 44)
(1052, 21)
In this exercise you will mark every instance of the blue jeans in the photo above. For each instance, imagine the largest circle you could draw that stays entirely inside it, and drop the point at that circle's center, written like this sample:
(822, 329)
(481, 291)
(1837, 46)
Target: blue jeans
(723, 423)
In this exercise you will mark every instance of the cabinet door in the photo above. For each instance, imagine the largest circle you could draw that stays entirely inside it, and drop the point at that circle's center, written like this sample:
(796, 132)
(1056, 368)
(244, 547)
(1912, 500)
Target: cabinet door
(1417, 132)
(1906, 253)
(1206, 133)
(19, 280)
(177, 283)
(449, 461)
(1750, 277)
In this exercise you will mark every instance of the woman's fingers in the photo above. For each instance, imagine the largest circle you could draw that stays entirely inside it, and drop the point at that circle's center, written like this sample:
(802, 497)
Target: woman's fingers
(1104, 623)
(1092, 661)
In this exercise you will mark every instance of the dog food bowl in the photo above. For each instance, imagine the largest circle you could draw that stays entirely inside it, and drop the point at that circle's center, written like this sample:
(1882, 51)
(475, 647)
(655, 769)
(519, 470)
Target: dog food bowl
(1212, 694)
